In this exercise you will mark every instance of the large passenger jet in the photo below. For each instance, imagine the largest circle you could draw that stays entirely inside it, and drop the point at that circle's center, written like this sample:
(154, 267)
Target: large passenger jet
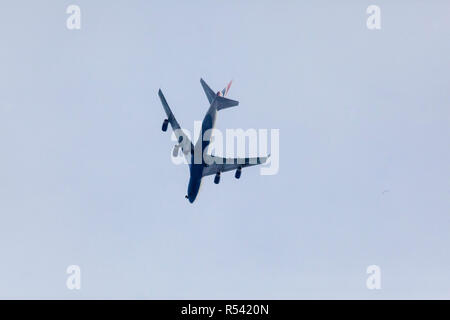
(200, 163)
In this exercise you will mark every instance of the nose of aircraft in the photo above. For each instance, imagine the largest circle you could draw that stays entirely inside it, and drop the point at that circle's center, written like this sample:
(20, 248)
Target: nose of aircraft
(190, 198)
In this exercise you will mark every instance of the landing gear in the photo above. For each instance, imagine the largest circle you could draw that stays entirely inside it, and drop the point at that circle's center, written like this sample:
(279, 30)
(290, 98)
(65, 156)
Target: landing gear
(176, 148)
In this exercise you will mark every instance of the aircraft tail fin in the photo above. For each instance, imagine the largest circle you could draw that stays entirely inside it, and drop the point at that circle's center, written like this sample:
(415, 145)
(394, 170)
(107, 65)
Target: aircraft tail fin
(211, 95)
(219, 97)
(225, 90)
(223, 103)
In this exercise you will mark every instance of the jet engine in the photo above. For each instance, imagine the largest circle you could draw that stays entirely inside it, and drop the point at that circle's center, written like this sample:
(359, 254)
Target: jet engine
(217, 178)
(237, 175)
(164, 125)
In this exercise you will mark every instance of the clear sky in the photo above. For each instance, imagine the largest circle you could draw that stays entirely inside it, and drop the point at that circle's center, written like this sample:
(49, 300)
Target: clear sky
(86, 177)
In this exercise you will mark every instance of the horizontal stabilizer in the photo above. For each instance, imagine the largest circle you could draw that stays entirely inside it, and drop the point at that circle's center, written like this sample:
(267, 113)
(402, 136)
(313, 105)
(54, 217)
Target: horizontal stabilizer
(223, 103)
(208, 91)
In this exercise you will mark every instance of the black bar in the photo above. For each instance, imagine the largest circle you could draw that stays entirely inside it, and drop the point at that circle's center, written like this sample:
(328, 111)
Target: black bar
(228, 309)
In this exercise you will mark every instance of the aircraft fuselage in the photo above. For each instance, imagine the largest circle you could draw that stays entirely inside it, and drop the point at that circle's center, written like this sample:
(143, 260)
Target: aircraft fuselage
(196, 169)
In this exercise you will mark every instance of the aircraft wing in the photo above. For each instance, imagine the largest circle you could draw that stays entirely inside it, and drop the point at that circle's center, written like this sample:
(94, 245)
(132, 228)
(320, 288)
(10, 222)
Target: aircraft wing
(227, 164)
(182, 138)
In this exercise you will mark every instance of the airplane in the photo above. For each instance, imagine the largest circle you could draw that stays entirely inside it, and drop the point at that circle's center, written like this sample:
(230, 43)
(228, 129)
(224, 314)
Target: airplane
(211, 165)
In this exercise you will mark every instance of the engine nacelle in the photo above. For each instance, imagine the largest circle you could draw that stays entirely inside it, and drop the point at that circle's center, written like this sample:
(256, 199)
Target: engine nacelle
(164, 125)
(217, 178)
(237, 175)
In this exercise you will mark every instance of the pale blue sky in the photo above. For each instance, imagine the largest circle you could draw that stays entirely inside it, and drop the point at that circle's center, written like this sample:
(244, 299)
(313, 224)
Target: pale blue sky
(86, 176)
